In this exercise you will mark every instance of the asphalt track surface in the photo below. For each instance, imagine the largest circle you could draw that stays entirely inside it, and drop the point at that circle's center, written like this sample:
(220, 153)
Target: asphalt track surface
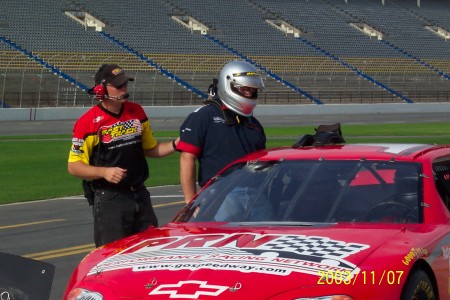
(59, 231)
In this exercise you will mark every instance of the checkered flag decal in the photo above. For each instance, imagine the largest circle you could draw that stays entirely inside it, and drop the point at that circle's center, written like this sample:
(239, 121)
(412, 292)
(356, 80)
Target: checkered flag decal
(132, 123)
(314, 246)
(117, 131)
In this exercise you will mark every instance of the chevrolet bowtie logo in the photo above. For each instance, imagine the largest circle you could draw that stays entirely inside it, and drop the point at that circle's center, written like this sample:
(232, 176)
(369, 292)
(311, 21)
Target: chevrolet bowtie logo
(190, 289)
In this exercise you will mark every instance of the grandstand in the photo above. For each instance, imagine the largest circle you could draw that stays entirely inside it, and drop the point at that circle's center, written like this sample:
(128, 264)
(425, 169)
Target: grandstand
(324, 51)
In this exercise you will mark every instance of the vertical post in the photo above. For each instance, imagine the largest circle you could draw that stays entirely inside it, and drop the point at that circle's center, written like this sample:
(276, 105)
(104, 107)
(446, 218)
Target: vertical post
(75, 91)
(4, 87)
(40, 88)
(154, 86)
(57, 92)
(21, 87)
(134, 88)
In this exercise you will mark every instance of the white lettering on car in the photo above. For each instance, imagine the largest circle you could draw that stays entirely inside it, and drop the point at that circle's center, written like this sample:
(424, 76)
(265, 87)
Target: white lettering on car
(244, 252)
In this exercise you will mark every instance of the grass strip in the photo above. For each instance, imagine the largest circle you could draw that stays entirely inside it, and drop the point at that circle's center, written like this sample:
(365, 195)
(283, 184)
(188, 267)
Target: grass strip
(35, 167)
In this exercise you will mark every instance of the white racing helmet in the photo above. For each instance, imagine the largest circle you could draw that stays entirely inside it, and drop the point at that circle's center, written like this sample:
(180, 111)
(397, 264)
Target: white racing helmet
(238, 87)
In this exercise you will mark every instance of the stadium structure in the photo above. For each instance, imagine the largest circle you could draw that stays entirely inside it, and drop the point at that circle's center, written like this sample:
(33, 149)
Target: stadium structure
(316, 51)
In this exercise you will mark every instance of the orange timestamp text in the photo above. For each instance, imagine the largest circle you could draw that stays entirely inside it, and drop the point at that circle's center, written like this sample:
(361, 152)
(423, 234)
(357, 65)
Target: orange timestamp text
(346, 277)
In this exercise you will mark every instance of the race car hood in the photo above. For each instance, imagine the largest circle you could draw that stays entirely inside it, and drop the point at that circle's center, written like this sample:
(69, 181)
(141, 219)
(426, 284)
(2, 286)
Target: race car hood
(180, 261)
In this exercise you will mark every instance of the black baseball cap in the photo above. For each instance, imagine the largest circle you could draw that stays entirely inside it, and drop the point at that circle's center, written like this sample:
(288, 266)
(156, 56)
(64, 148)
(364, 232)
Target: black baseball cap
(112, 74)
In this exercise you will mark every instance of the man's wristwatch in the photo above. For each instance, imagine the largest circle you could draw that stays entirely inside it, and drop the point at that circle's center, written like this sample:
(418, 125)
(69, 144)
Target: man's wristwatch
(174, 145)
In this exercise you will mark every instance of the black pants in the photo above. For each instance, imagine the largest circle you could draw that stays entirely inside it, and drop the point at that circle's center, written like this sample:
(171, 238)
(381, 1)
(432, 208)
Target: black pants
(119, 213)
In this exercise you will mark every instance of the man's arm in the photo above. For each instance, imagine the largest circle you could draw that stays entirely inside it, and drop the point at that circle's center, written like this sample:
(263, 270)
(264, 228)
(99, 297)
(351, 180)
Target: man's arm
(81, 170)
(162, 149)
(187, 175)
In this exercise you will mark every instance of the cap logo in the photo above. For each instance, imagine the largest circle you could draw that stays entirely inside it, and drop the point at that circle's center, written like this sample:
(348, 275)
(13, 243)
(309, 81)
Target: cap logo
(246, 74)
(117, 71)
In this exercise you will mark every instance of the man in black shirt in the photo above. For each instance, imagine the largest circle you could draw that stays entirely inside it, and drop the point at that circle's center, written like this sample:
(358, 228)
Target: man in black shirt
(222, 130)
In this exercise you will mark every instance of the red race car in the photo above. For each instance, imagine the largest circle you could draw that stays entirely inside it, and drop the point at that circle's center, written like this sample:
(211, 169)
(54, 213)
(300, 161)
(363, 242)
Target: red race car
(331, 222)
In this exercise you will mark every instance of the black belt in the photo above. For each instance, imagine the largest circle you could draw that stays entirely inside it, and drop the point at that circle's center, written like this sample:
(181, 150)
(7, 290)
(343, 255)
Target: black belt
(117, 187)
(135, 188)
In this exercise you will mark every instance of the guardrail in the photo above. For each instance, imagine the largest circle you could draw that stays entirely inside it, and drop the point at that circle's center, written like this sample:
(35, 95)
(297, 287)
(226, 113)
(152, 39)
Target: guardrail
(73, 113)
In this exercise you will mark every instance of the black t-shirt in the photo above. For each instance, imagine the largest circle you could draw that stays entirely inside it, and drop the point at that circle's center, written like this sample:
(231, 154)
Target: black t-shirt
(102, 138)
(206, 134)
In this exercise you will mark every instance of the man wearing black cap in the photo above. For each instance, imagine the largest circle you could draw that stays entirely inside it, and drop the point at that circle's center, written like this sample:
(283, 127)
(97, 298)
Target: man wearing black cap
(109, 145)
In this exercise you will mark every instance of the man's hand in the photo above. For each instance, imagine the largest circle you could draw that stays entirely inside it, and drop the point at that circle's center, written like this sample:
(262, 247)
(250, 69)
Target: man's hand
(115, 174)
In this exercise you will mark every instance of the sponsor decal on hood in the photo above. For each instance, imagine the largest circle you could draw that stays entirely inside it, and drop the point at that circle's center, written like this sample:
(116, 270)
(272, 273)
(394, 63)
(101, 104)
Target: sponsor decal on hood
(245, 252)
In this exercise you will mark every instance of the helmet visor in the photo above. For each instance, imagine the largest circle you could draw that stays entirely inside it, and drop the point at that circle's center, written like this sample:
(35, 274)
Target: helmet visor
(244, 91)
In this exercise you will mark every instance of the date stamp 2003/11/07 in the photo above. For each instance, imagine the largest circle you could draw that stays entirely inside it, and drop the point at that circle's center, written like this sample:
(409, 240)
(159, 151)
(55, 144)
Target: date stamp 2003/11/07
(389, 277)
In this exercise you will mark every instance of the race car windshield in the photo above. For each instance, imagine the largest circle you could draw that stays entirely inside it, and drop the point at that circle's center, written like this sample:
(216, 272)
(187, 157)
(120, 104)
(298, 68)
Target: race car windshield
(311, 191)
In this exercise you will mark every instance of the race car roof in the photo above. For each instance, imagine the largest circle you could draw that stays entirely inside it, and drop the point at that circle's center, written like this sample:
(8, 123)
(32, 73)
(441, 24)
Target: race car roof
(382, 151)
